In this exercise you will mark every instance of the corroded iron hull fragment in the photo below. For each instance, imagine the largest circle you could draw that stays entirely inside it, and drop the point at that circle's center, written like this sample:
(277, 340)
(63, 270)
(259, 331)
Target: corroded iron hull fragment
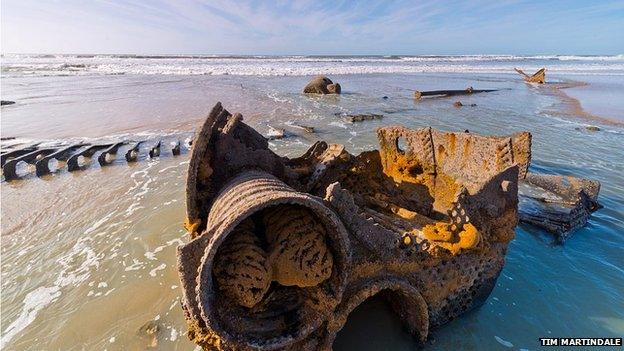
(537, 77)
(559, 204)
(283, 250)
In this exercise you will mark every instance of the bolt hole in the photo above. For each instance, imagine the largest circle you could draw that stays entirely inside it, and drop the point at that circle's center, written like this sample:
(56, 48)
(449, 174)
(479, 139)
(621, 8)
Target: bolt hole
(401, 145)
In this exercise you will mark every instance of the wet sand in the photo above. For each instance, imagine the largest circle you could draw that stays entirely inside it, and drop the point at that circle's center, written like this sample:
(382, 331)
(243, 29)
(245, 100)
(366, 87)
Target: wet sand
(601, 97)
(89, 257)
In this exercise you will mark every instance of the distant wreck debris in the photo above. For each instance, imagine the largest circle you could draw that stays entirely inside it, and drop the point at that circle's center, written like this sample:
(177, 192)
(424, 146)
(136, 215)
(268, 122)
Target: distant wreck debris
(443, 93)
(282, 250)
(459, 104)
(275, 133)
(559, 204)
(307, 129)
(538, 77)
(358, 117)
(322, 85)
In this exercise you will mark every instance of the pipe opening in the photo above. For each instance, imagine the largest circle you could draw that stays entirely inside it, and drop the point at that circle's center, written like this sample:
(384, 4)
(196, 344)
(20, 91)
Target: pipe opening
(383, 313)
(273, 272)
(375, 324)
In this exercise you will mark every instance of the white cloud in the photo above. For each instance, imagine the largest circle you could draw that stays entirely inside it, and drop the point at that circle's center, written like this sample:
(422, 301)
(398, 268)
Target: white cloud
(309, 27)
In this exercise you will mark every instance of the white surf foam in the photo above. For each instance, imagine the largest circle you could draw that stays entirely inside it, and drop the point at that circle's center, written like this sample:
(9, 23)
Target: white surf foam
(56, 65)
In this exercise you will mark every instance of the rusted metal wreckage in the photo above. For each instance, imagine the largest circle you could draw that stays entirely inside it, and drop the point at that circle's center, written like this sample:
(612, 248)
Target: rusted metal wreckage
(445, 93)
(282, 250)
(559, 204)
(76, 156)
(537, 77)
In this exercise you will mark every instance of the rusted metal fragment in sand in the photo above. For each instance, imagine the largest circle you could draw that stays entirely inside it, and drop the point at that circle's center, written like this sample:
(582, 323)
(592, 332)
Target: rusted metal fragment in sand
(73, 163)
(358, 117)
(42, 167)
(9, 169)
(103, 158)
(132, 155)
(282, 250)
(155, 150)
(15, 153)
(176, 149)
(442, 93)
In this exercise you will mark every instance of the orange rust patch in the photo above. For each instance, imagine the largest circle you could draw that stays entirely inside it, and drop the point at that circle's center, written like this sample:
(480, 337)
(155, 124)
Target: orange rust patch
(191, 225)
(203, 337)
(452, 140)
(438, 232)
(442, 236)
(441, 153)
(445, 189)
(466, 151)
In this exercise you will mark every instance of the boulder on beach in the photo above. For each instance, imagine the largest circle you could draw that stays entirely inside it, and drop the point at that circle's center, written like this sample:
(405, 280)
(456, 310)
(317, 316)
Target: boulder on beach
(322, 85)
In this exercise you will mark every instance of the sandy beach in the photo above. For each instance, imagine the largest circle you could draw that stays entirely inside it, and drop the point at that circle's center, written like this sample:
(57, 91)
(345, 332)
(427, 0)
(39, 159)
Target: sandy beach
(88, 258)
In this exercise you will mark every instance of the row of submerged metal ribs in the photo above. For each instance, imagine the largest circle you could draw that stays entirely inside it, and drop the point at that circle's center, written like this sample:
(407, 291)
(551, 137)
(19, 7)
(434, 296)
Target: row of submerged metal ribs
(74, 155)
(282, 249)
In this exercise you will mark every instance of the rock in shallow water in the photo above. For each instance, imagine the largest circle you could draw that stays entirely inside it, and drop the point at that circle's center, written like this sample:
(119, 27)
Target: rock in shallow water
(322, 85)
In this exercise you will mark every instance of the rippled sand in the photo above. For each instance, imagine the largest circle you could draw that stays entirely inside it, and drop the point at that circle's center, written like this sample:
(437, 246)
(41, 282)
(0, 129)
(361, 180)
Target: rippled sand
(88, 258)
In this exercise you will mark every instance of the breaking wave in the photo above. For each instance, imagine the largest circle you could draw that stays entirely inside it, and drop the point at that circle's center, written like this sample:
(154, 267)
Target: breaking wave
(14, 65)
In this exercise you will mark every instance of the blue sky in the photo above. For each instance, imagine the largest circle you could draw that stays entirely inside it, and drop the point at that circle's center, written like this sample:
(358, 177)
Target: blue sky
(312, 27)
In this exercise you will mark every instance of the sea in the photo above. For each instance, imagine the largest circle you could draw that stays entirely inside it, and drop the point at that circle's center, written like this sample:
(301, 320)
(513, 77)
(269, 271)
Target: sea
(88, 258)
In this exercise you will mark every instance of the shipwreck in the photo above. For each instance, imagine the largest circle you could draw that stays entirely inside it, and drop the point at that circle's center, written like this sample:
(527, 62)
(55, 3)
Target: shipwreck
(79, 155)
(538, 77)
(559, 204)
(282, 250)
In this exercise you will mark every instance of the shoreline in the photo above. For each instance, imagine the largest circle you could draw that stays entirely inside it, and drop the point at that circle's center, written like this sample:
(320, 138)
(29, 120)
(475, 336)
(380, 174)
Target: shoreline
(573, 106)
